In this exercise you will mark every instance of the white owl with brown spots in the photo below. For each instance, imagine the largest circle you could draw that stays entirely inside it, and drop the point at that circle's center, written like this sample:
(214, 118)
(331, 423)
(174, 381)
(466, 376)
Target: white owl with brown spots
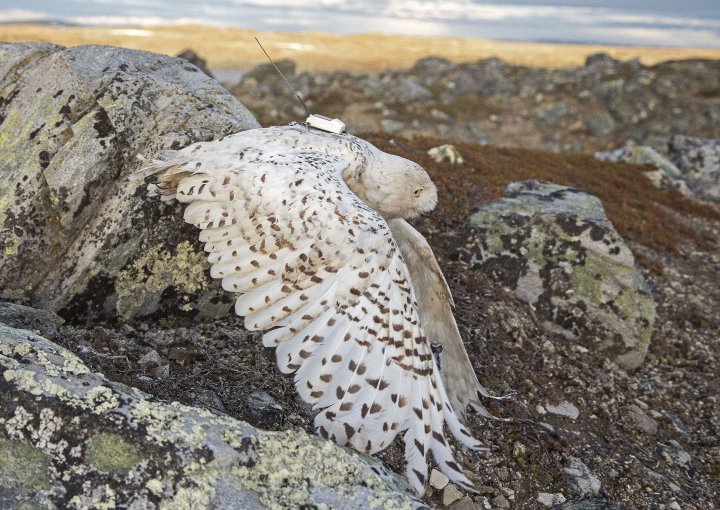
(308, 229)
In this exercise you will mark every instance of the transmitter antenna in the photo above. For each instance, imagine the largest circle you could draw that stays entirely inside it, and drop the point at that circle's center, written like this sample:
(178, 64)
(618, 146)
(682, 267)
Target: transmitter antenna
(283, 77)
(320, 122)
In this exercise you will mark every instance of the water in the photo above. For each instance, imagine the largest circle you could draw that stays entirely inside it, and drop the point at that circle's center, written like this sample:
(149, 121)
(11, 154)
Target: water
(669, 23)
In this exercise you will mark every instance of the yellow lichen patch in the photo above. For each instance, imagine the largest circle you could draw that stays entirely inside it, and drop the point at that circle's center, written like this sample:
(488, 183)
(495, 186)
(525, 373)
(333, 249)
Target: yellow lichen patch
(4, 201)
(22, 466)
(12, 246)
(148, 276)
(101, 399)
(112, 453)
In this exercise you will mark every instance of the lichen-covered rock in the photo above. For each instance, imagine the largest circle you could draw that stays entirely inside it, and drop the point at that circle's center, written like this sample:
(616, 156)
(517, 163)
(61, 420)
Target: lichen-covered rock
(75, 235)
(556, 249)
(43, 322)
(665, 175)
(699, 161)
(69, 438)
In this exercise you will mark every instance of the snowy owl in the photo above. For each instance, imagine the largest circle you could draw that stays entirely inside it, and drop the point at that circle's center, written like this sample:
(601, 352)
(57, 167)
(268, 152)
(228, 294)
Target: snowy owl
(308, 229)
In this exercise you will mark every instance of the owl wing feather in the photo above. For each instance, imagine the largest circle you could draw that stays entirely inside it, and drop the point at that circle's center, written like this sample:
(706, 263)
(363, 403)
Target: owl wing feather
(320, 271)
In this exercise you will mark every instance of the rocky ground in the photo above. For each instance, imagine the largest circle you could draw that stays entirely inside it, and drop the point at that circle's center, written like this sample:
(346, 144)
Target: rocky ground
(580, 433)
(643, 439)
(598, 106)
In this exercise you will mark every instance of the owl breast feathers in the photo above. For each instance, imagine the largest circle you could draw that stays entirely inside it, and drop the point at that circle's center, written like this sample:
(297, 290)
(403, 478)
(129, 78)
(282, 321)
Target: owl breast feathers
(307, 228)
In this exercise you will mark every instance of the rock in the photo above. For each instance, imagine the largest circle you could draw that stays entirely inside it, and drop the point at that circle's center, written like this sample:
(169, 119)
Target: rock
(583, 481)
(590, 504)
(446, 153)
(465, 503)
(500, 501)
(564, 408)
(699, 162)
(438, 480)
(263, 409)
(76, 236)
(556, 249)
(451, 494)
(549, 500)
(552, 114)
(69, 438)
(676, 422)
(640, 420)
(153, 364)
(431, 67)
(601, 61)
(674, 453)
(392, 126)
(408, 90)
(600, 124)
(44, 322)
(195, 60)
(641, 155)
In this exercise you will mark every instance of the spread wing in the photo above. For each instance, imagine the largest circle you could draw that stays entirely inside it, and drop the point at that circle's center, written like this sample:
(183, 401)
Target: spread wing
(319, 270)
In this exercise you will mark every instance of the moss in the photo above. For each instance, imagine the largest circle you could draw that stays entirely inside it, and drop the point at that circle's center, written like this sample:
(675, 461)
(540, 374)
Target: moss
(22, 466)
(111, 453)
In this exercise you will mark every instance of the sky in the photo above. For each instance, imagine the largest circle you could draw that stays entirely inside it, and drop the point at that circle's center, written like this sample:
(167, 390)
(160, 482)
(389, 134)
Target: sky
(679, 23)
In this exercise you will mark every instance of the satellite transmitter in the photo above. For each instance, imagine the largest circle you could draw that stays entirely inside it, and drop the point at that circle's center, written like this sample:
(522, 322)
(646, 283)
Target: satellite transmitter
(314, 120)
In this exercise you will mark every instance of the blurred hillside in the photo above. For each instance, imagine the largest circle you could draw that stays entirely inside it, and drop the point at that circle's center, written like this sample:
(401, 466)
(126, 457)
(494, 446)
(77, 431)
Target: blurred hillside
(595, 106)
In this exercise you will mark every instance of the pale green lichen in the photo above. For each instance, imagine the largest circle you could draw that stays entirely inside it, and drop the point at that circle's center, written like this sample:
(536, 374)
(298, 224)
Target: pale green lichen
(112, 453)
(23, 466)
(291, 465)
(148, 276)
(101, 399)
(12, 247)
(4, 202)
(101, 498)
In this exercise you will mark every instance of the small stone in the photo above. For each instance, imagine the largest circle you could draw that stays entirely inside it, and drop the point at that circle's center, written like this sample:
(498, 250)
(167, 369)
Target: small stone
(503, 474)
(438, 480)
(640, 420)
(446, 153)
(391, 126)
(500, 501)
(263, 409)
(564, 408)
(583, 480)
(451, 494)
(675, 506)
(465, 503)
(547, 499)
(675, 454)
(540, 409)
(150, 360)
(209, 399)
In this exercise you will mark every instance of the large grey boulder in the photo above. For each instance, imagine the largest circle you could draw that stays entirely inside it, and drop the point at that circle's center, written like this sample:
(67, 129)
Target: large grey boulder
(699, 161)
(69, 438)
(75, 235)
(556, 249)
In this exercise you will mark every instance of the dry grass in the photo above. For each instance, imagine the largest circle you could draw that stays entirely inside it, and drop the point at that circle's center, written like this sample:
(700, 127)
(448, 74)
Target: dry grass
(232, 48)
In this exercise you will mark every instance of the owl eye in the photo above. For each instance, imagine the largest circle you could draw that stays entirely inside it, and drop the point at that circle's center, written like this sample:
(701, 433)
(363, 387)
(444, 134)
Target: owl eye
(418, 191)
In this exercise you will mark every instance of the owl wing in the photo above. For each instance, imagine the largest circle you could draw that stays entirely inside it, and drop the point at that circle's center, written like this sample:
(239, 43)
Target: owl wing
(319, 271)
(435, 304)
